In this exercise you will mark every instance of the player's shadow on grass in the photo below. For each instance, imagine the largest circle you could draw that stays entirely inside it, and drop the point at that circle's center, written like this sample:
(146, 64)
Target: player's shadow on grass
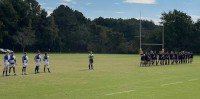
(84, 70)
(166, 65)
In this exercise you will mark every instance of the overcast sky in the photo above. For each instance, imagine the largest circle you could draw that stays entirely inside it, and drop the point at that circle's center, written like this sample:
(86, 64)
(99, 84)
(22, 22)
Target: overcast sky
(150, 9)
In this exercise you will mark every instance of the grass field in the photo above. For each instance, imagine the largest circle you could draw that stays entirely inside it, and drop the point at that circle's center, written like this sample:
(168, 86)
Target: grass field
(115, 77)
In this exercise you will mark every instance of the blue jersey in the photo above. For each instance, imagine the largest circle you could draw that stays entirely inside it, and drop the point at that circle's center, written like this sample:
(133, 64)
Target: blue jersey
(6, 57)
(12, 59)
(38, 58)
(46, 58)
(25, 59)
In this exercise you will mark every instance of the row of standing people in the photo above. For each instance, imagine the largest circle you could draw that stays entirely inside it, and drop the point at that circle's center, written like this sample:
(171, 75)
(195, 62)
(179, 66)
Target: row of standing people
(153, 58)
(10, 62)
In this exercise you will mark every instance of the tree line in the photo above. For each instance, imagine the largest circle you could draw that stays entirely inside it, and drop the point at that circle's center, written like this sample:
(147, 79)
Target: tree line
(25, 26)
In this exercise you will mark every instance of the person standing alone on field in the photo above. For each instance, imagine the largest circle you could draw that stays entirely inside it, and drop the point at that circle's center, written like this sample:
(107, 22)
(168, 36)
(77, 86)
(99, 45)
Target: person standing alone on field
(91, 57)
(46, 62)
(24, 63)
(37, 60)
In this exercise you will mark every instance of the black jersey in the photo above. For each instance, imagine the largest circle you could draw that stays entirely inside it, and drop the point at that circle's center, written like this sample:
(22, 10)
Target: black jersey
(171, 56)
(179, 56)
(191, 55)
(143, 58)
(183, 56)
(163, 57)
(175, 56)
(166, 56)
(160, 56)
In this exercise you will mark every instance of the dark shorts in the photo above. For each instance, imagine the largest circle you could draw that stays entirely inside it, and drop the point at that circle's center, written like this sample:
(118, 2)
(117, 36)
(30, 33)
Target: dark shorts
(91, 61)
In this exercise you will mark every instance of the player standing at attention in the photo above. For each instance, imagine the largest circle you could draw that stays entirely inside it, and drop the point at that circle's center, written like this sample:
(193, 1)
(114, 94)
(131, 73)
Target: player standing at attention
(91, 57)
(37, 60)
(24, 63)
(12, 61)
(6, 63)
(46, 62)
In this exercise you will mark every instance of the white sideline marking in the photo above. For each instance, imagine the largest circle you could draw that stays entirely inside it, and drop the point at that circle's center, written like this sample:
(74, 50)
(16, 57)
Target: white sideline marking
(120, 92)
(193, 79)
(171, 84)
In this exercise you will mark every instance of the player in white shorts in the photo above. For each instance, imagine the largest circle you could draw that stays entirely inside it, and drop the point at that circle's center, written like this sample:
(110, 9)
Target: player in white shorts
(6, 64)
(37, 60)
(24, 63)
(46, 62)
(12, 61)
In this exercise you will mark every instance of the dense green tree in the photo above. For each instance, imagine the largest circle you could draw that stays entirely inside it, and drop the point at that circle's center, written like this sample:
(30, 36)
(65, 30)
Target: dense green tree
(104, 40)
(1, 31)
(14, 15)
(72, 27)
(8, 17)
(178, 30)
(196, 37)
(129, 27)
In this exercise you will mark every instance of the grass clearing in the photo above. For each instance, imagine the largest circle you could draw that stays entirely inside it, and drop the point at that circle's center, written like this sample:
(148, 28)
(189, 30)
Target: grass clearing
(114, 77)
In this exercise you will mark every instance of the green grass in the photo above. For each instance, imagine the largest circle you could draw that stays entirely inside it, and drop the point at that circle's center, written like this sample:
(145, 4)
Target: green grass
(115, 77)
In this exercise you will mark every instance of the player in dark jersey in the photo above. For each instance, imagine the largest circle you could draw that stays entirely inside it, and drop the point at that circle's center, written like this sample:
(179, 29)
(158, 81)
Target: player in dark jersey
(148, 58)
(176, 57)
(163, 59)
(167, 58)
(180, 58)
(186, 57)
(142, 63)
(172, 57)
(154, 57)
(183, 57)
(191, 56)
(159, 58)
(91, 60)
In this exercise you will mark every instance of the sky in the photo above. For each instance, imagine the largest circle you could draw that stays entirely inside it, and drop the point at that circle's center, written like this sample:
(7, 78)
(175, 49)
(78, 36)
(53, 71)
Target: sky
(126, 9)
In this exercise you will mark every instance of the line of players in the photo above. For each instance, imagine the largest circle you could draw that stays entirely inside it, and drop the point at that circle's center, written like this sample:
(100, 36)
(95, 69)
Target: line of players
(10, 63)
(153, 58)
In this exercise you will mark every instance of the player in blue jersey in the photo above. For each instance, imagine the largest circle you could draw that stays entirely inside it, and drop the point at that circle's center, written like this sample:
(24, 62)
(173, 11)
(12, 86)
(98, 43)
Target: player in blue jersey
(6, 64)
(46, 62)
(12, 61)
(24, 63)
(37, 59)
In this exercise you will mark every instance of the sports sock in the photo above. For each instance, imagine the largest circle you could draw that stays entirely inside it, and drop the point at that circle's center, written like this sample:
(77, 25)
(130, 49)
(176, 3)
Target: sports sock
(9, 70)
(38, 69)
(48, 69)
(14, 70)
(91, 66)
(35, 69)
